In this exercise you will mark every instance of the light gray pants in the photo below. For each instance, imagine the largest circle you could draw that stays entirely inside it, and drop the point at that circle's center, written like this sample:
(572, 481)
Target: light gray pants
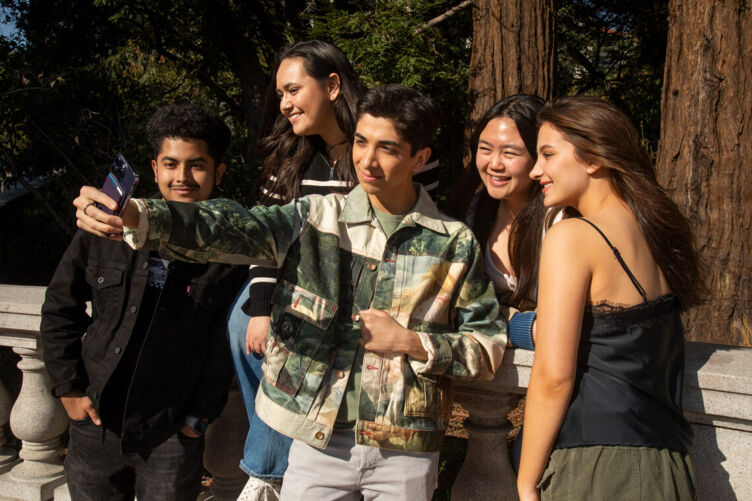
(345, 471)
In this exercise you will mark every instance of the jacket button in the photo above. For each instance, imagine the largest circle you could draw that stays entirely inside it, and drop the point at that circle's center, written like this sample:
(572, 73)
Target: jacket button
(372, 266)
(340, 374)
(355, 317)
(100, 280)
(117, 350)
(319, 435)
(133, 309)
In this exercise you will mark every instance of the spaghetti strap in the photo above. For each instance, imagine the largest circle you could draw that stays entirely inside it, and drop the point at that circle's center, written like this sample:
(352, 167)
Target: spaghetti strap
(621, 261)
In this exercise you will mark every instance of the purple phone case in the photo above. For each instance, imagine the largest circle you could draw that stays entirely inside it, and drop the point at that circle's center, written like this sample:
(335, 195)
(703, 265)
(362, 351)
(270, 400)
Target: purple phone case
(119, 184)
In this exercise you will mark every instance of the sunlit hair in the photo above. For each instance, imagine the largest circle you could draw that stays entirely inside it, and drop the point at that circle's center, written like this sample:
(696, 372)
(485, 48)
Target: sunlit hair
(286, 154)
(602, 135)
(527, 229)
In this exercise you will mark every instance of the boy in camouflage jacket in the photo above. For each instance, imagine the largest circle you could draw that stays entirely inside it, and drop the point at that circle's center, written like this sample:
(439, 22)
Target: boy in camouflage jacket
(381, 302)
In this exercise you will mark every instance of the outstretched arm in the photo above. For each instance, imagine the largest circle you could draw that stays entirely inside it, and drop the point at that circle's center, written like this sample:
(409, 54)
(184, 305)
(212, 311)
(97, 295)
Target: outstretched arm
(212, 230)
(564, 281)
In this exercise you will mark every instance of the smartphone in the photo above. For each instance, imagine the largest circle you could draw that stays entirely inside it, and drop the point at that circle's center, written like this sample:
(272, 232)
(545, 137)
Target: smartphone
(119, 184)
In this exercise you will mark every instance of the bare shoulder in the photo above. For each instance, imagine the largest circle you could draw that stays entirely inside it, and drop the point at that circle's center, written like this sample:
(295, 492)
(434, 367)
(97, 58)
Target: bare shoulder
(567, 234)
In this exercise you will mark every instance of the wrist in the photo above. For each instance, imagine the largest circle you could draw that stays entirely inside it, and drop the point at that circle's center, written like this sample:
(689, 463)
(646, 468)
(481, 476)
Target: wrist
(415, 346)
(196, 424)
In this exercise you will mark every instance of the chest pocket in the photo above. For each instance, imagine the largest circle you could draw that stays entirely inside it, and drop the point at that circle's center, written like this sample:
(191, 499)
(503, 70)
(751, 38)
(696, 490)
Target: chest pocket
(297, 353)
(107, 292)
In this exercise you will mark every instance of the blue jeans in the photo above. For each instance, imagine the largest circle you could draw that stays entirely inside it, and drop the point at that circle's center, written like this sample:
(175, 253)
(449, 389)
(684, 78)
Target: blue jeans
(265, 451)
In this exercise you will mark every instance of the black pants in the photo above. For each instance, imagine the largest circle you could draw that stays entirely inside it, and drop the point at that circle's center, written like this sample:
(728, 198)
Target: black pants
(97, 471)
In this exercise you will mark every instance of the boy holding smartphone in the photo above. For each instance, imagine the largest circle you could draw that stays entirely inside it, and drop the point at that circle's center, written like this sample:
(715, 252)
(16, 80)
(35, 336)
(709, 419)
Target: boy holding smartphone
(143, 375)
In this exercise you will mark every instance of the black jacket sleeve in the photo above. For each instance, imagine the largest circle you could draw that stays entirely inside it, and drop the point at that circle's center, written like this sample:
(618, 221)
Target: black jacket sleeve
(64, 318)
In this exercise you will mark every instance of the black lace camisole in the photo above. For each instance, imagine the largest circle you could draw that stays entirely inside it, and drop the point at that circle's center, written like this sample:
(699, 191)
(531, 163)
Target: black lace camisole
(628, 388)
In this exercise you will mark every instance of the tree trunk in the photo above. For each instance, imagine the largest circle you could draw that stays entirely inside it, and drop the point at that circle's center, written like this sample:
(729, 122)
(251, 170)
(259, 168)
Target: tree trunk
(705, 154)
(513, 52)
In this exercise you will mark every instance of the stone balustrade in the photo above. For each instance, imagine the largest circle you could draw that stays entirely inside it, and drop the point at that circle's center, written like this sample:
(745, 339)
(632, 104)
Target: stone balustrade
(38, 419)
(717, 400)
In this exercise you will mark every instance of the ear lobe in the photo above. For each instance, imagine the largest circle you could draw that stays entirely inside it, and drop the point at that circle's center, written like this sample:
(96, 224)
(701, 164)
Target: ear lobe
(334, 86)
(421, 158)
(592, 168)
(219, 171)
(154, 168)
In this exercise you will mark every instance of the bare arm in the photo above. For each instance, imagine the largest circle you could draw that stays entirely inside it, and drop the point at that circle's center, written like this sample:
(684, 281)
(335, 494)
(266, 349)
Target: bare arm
(564, 280)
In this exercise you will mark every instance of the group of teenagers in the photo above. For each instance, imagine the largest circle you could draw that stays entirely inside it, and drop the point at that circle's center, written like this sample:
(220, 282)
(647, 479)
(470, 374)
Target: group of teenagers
(363, 301)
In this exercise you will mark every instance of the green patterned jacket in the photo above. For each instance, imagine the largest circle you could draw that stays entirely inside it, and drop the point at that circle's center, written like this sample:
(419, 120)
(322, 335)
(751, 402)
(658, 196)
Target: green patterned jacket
(335, 261)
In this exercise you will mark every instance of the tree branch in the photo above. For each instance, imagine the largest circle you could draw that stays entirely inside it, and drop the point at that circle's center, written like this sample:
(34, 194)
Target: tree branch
(14, 166)
(446, 15)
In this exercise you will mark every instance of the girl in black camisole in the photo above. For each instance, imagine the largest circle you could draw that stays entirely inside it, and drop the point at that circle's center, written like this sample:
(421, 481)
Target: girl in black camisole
(603, 417)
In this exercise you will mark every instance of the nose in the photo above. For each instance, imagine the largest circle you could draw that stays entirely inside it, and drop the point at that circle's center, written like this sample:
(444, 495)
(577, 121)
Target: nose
(537, 171)
(183, 173)
(285, 105)
(495, 162)
(366, 157)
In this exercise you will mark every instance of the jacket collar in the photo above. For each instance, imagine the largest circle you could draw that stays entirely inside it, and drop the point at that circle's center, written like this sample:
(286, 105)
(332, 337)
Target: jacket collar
(425, 213)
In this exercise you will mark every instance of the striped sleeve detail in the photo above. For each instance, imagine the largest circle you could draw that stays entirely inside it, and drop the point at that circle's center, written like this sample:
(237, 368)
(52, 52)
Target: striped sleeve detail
(428, 176)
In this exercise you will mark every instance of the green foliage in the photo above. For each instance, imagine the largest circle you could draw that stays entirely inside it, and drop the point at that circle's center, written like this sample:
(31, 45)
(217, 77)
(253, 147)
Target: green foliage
(387, 43)
(615, 49)
(81, 78)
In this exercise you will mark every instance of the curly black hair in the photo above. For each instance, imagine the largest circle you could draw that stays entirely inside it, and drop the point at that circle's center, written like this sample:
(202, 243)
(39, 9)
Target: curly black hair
(188, 121)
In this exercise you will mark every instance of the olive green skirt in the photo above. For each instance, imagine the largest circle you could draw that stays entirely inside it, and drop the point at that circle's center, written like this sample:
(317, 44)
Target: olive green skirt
(614, 473)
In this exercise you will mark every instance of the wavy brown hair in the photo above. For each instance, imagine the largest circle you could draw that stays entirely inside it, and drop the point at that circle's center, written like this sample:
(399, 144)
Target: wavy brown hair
(286, 154)
(603, 135)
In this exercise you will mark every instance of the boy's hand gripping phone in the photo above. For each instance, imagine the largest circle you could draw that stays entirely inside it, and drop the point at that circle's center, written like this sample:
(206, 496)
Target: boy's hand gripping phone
(119, 184)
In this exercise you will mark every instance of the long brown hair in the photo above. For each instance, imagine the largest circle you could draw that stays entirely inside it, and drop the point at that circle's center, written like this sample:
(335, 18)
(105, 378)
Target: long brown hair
(287, 154)
(601, 134)
(472, 203)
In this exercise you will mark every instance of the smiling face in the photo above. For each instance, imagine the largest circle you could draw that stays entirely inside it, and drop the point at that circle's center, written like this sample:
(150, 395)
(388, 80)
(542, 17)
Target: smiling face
(562, 175)
(384, 164)
(184, 171)
(503, 161)
(306, 102)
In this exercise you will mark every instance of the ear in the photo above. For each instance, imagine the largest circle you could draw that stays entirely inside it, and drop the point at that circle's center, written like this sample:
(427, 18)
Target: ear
(421, 157)
(219, 171)
(592, 168)
(154, 168)
(333, 86)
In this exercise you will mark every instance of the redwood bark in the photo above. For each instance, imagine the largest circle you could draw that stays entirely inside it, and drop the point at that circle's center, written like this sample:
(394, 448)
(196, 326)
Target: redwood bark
(705, 154)
(513, 52)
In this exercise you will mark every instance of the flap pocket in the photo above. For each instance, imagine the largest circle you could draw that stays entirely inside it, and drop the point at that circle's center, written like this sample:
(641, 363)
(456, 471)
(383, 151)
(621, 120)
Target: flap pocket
(103, 277)
(304, 304)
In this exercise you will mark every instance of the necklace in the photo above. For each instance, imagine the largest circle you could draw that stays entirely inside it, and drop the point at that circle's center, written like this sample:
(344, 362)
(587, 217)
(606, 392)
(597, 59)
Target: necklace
(331, 148)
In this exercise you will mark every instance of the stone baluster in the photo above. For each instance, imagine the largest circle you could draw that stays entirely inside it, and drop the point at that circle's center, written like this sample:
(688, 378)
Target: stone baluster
(37, 418)
(7, 454)
(224, 448)
(487, 471)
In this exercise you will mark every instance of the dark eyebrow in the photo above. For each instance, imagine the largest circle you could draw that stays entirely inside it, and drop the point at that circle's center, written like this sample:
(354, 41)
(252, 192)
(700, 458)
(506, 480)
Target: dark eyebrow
(190, 160)
(286, 86)
(503, 146)
(383, 142)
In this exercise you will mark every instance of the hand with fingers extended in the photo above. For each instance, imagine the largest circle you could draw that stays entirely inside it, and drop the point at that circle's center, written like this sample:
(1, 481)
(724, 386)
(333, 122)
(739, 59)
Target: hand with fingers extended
(94, 220)
(380, 333)
(255, 334)
(79, 407)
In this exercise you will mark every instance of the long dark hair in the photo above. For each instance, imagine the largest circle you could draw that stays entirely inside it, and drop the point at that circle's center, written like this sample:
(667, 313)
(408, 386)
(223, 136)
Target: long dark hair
(601, 134)
(286, 154)
(527, 228)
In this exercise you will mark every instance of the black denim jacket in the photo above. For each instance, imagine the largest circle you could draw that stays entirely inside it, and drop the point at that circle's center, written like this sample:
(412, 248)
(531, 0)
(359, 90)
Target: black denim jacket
(184, 367)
